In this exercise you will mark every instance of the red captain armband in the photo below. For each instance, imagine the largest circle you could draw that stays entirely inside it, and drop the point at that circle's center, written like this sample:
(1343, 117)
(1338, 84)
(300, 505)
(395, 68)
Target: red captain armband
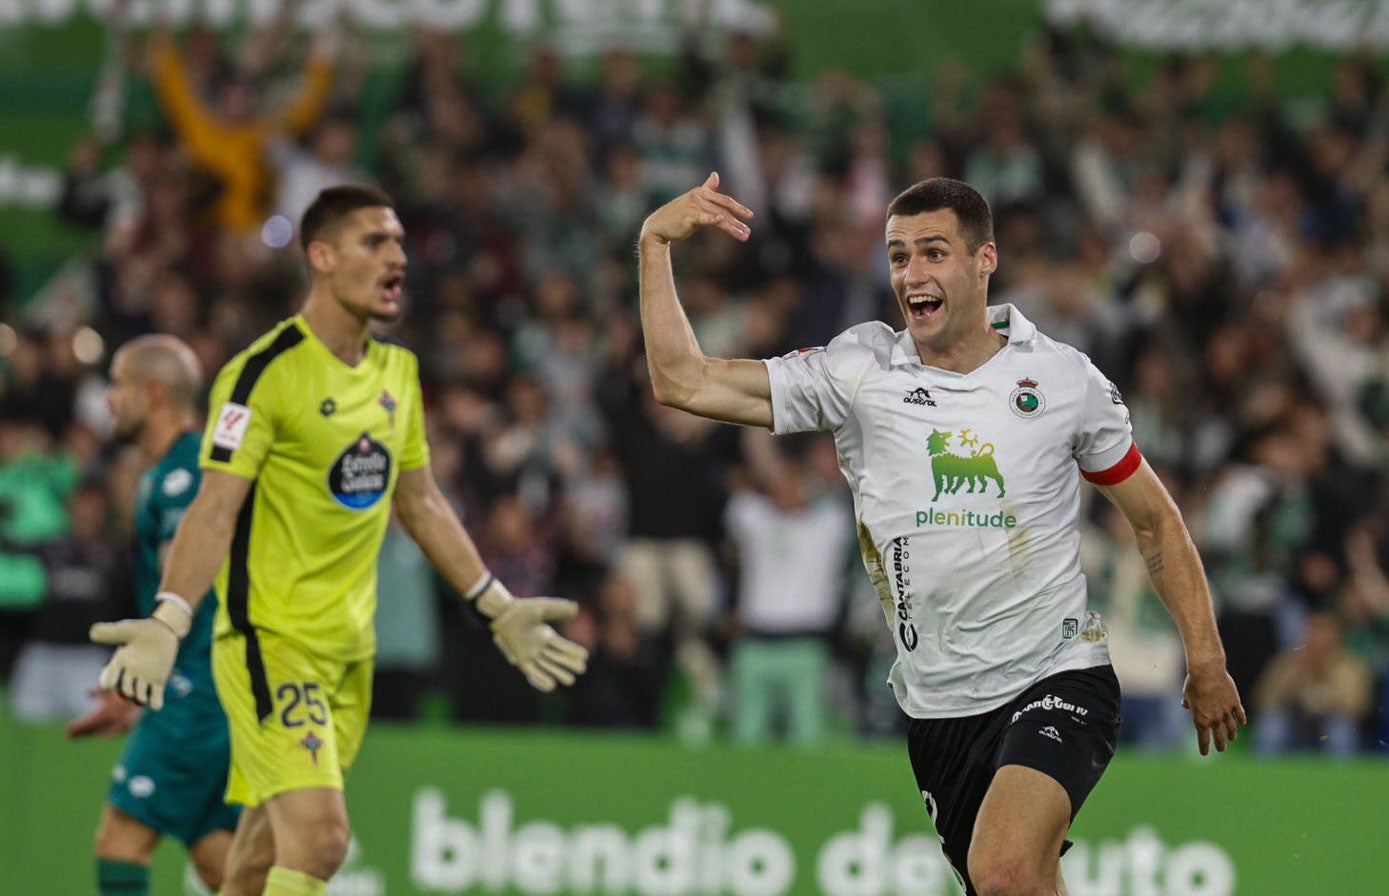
(1120, 471)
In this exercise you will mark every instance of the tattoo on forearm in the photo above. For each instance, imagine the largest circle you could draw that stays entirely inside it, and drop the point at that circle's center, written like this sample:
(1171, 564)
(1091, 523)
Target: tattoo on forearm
(1154, 564)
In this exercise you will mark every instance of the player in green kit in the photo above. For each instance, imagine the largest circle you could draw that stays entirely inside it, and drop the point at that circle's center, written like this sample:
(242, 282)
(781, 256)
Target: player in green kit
(316, 431)
(172, 777)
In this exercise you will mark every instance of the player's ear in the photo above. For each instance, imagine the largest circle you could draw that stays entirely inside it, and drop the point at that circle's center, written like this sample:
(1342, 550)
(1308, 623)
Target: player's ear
(154, 392)
(988, 258)
(321, 256)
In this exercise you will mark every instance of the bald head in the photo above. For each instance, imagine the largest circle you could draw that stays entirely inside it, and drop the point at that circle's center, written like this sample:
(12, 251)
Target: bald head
(155, 385)
(165, 360)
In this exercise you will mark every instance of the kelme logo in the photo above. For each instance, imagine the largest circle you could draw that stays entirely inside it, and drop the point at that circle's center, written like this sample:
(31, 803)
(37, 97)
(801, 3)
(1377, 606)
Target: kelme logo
(975, 469)
(359, 476)
(1025, 400)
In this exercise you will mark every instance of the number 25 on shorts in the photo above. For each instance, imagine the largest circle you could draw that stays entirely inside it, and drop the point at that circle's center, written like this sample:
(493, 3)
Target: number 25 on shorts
(301, 702)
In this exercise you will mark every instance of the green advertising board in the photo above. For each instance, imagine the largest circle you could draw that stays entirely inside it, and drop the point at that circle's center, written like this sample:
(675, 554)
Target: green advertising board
(449, 811)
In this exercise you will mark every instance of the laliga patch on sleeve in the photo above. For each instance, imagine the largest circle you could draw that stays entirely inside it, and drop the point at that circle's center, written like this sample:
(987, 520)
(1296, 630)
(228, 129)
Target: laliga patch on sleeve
(231, 426)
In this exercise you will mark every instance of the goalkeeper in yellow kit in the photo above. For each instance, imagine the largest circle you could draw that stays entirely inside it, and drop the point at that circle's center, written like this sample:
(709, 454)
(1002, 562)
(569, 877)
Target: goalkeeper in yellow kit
(313, 433)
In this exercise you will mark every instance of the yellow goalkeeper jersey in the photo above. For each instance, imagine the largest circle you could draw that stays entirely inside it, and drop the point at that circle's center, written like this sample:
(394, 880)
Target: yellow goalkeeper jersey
(323, 444)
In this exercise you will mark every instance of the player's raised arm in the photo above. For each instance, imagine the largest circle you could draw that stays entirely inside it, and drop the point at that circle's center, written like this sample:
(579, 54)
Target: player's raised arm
(1176, 573)
(735, 391)
(146, 648)
(520, 626)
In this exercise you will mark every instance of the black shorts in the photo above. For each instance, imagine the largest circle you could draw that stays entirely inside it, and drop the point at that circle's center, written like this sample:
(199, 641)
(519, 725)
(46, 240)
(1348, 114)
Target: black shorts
(1065, 726)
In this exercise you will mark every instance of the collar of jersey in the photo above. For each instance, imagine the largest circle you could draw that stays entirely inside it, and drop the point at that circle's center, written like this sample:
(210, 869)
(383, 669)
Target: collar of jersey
(1004, 318)
(189, 438)
(312, 337)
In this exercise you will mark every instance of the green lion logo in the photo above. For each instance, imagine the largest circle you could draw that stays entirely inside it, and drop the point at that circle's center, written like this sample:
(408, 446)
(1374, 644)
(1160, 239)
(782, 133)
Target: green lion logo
(954, 470)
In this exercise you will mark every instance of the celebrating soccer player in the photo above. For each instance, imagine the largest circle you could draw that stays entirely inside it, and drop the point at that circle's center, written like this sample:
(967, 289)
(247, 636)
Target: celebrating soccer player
(964, 438)
(315, 430)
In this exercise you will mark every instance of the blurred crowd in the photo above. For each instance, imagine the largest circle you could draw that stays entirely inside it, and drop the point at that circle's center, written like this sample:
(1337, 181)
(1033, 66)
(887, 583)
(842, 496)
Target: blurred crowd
(1224, 259)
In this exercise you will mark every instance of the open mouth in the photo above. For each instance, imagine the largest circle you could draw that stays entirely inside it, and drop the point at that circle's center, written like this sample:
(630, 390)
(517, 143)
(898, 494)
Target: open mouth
(923, 307)
(391, 285)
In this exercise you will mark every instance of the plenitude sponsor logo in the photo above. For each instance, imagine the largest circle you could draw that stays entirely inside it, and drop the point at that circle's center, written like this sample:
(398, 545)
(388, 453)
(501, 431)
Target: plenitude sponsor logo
(975, 468)
(965, 519)
(697, 851)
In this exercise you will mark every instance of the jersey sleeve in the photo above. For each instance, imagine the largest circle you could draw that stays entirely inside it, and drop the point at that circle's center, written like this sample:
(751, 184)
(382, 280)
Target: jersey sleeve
(415, 453)
(1103, 444)
(240, 423)
(813, 388)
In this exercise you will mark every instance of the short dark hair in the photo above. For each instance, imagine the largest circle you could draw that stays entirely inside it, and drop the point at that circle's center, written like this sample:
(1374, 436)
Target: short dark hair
(976, 221)
(335, 203)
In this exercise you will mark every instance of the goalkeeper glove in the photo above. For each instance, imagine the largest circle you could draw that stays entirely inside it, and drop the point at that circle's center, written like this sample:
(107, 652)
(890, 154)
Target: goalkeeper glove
(520, 630)
(145, 651)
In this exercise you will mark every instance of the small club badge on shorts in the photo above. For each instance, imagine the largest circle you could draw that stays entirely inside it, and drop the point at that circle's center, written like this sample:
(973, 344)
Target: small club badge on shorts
(313, 744)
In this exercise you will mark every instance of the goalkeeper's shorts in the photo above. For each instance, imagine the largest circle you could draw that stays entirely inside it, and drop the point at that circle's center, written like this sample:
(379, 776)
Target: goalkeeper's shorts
(296, 719)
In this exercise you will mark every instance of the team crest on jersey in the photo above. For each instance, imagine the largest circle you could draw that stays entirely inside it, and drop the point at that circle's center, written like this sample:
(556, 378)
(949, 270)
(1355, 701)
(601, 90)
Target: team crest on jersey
(358, 478)
(387, 402)
(313, 743)
(1025, 400)
(972, 466)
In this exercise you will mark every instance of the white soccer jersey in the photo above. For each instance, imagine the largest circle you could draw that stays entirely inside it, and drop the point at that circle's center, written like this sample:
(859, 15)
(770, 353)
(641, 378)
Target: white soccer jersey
(967, 491)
